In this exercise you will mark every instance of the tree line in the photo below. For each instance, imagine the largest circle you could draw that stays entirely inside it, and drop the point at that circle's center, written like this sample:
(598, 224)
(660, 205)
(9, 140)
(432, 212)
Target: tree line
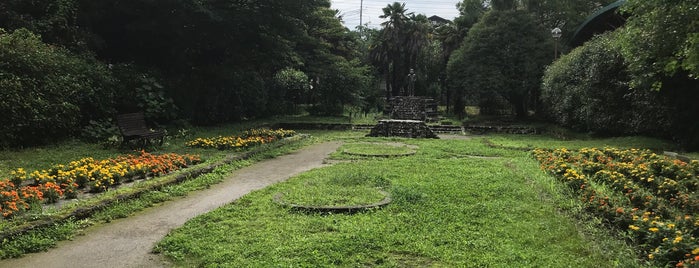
(640, 79)
(68, 66)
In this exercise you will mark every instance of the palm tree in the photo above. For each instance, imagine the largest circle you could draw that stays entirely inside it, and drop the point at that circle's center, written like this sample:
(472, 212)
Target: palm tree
(392, 43)
(396, 15)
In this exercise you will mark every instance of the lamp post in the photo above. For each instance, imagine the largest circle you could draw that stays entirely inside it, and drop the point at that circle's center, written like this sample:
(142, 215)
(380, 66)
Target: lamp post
(556, 34)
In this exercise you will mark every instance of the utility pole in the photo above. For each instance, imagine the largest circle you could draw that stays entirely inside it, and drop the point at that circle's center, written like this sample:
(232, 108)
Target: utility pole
(361, 9)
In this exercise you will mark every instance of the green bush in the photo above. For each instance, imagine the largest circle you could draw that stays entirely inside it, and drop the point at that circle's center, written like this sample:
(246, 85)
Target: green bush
(341, 84)
(290, 88)
(141, 90)
(47, 92)
(103, 131)
(587, 90)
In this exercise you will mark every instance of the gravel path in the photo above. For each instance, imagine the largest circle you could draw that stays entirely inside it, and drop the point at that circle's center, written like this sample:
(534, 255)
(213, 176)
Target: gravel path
(128, 242)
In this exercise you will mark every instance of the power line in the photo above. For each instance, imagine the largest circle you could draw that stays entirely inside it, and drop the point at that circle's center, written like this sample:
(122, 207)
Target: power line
(372, 9)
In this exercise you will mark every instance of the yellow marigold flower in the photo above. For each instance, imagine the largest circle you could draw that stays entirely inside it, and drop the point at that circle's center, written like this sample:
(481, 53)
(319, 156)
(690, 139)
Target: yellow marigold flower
(695, 251)
(671, 225)
(634, 227)
(653, 229)
(677, 240)
(650, 256)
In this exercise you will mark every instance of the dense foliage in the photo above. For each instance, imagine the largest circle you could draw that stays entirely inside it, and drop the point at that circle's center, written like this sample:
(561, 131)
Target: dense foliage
(47, 92)
(638, 80)
(205, 61)
(661, 42)
(490, 66)
(398, 45)
(588, 90)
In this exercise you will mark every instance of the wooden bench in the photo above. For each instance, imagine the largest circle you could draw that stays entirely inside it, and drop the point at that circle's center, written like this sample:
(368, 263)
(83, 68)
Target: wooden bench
(133, 128)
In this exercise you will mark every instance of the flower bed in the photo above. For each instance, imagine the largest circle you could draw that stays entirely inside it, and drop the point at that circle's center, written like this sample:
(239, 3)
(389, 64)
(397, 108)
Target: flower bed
(248, 139)
(651, 197)
(64, 181)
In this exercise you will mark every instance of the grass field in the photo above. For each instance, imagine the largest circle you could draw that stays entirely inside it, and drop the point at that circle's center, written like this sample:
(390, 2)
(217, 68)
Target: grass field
(456, 203)
(477, 202)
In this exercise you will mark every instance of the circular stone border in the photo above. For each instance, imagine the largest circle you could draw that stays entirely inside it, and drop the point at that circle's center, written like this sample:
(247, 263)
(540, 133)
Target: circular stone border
(334, 209)
(394, 144)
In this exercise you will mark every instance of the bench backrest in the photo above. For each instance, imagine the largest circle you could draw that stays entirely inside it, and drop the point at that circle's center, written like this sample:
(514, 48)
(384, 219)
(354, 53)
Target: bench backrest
(132, 124)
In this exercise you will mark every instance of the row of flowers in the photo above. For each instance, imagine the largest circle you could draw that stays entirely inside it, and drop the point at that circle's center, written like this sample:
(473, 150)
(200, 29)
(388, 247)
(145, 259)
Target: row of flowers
(248, 139)
(23, 188)
(650, 196)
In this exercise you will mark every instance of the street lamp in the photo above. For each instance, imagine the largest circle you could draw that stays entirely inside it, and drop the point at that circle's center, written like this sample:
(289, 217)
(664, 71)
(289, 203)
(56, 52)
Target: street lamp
(556, 34)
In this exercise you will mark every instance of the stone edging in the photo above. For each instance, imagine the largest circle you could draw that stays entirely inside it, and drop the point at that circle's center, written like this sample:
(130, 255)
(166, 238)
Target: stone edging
(379, 155)
(396, 144)
(333, 209)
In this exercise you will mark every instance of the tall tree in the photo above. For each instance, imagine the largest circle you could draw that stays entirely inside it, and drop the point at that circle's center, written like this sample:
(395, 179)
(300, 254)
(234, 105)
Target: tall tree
(398, 48)
(392, 36)
(503, 56)
(331, 58)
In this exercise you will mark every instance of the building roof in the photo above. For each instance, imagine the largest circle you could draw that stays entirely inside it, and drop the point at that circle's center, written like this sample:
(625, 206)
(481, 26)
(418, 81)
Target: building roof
(605, 19)
(438, 20)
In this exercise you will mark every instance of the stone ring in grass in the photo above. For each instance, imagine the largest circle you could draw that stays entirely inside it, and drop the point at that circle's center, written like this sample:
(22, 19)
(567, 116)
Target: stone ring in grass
(394, 149)
(279, 199)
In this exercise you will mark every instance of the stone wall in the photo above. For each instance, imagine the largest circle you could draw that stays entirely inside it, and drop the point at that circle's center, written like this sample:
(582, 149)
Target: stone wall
(412, 108)
(402, 128)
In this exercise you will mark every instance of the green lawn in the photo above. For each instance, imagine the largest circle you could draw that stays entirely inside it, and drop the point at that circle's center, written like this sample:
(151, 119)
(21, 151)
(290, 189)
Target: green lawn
(451, 208)
(475, 202)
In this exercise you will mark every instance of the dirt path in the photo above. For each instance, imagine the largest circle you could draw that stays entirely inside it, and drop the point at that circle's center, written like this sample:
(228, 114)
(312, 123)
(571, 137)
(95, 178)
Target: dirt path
(128, 242)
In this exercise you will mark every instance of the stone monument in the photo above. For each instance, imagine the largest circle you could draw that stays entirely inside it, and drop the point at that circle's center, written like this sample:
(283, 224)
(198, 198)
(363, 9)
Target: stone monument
(408, 114)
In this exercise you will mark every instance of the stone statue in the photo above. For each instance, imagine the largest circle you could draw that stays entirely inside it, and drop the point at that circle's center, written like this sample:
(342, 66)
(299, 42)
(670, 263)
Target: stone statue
(411, 82)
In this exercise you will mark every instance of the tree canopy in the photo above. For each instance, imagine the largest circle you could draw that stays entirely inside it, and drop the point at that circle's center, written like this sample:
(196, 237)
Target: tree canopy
(217, 59)
(661, 41)
(503, 56)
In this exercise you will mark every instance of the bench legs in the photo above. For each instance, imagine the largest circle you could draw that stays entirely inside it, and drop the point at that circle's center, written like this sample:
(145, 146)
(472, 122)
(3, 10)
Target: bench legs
(143, 142)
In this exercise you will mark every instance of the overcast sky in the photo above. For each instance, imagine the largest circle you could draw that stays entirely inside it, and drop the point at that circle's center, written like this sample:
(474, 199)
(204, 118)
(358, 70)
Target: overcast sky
(349, 9)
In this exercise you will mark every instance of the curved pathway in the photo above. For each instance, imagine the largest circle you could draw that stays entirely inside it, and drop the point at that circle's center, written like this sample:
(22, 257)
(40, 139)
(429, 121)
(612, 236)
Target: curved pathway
(128, 242)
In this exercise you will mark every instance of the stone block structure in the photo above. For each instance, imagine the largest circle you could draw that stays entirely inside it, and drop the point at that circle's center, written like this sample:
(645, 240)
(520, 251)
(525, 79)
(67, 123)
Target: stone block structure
(412, 108)
(402, 128)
